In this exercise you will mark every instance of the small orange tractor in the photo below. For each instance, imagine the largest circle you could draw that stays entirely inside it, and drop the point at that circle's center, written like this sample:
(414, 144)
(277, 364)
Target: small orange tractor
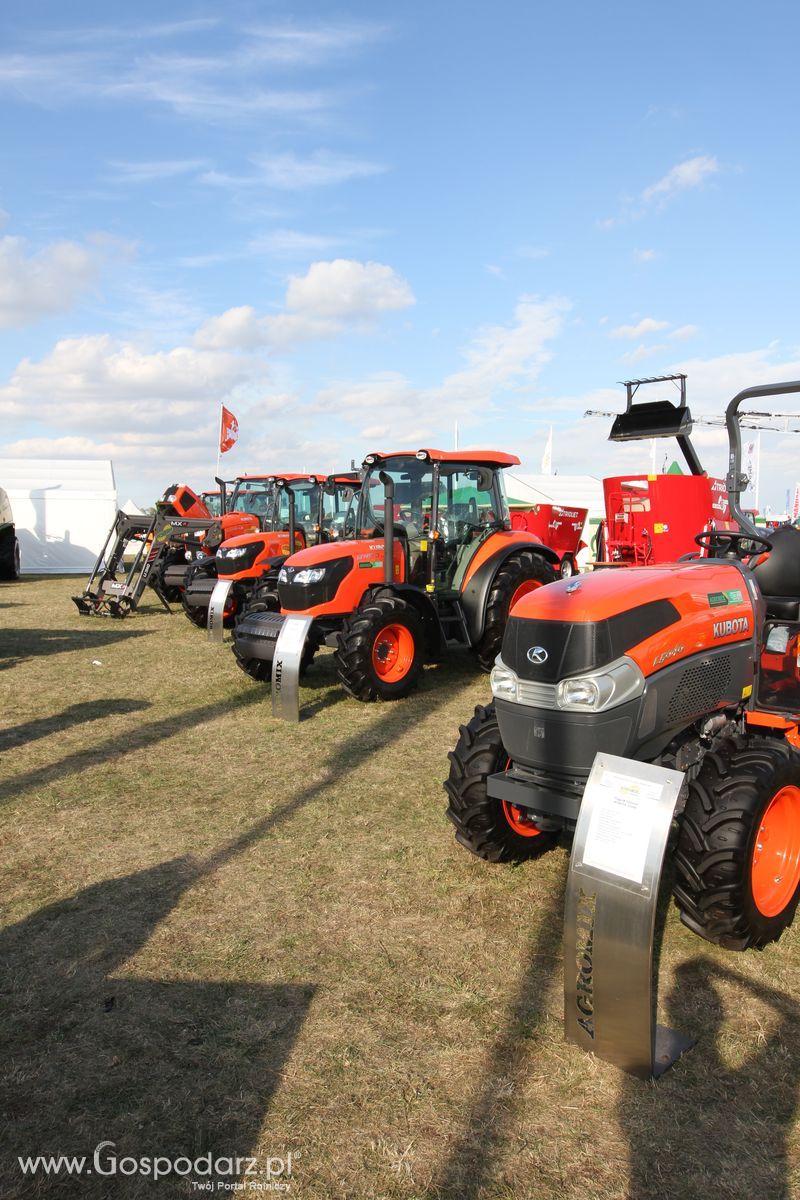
(691, 665)
(431, 562)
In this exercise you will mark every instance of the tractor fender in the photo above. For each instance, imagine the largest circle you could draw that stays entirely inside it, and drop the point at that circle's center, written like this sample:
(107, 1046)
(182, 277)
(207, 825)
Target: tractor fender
(422, 602)
(476, 592)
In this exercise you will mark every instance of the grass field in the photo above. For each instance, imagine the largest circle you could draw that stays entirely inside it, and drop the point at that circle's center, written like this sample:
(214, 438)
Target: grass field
(227, 935)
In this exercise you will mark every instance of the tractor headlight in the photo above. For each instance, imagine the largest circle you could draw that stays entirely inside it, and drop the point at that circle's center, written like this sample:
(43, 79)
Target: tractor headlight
(233, 551)
(283, 575)
(308, 575)
(617, 683)
(503, 682)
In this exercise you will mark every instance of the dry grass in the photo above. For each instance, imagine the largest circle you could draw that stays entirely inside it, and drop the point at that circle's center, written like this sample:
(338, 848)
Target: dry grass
(223, 933)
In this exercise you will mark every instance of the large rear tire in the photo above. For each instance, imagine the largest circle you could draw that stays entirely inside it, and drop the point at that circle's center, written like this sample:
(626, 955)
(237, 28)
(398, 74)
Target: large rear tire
(738, 854)
(380, 650)
(521, 573)
(489, 828)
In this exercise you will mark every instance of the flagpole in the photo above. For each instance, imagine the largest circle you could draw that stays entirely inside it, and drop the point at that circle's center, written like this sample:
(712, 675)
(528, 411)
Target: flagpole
(219, 441)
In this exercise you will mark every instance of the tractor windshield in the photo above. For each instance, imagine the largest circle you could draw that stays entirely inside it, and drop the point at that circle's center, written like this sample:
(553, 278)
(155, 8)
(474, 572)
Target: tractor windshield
(413, 497)
(306, 507)
(251, 496)
(339, 504)
(213, 502)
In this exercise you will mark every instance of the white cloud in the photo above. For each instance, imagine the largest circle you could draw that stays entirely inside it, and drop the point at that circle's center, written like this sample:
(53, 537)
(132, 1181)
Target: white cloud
(683, 332)
(346, 288)
(645, 256)
(48, 281)
(321, 169)
(292, 243)
(97, 382)
(644, 327)
(150, 172)
(329, 299)
(688, 174)
(634, 356)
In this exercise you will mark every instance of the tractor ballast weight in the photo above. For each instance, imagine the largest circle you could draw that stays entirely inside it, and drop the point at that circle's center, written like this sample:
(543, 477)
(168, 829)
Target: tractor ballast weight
(691, 665)
(435, 564)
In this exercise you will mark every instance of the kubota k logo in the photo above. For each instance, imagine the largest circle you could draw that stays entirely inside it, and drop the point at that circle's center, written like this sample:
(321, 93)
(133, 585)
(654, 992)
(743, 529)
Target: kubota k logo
(537, 655)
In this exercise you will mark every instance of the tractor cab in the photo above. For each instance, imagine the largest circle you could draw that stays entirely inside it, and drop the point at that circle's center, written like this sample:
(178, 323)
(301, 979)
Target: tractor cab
(444, 504)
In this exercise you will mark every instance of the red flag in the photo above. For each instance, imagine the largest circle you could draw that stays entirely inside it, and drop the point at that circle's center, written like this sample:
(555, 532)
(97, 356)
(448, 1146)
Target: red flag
(228, 430)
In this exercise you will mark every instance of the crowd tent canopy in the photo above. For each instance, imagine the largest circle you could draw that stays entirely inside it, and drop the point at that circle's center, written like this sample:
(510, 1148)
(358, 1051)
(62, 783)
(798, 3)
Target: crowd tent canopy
(63, 510)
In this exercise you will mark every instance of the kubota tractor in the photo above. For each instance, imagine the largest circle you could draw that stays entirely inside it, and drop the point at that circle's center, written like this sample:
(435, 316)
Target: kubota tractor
(442, 571)
(303, 510)
(692, 665)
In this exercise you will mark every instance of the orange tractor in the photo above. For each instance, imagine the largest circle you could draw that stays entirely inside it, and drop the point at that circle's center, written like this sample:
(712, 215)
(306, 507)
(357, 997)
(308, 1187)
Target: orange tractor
(296, 510)
(692, 665)
(429, 561)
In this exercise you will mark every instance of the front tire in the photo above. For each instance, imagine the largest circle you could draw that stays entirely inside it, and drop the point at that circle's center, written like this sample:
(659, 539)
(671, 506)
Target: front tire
(263, 599)
(519, 574)
(738, 854)
(489, 828)
(380, 650)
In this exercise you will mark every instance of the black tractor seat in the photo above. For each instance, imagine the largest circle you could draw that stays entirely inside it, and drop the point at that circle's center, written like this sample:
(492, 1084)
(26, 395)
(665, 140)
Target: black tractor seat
(777, 572)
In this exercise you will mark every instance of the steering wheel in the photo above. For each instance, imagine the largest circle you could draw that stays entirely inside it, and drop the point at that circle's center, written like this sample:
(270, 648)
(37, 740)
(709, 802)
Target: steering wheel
(725, 543)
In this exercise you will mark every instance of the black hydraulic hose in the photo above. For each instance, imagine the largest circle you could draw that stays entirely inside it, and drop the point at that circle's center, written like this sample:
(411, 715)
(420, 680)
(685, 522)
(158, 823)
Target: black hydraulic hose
(388, 527)
(291, 519)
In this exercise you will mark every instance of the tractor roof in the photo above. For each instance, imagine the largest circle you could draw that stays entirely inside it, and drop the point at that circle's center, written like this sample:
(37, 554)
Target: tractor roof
(480, 458)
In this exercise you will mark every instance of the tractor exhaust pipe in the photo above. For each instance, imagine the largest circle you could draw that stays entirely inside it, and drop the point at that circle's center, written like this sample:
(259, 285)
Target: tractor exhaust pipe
(388, 527)
(291, 520)
(223, 495)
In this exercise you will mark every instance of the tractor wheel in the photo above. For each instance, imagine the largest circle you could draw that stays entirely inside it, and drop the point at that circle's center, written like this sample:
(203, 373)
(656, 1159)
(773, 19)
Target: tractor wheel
(196, 613)
(738, 854)
(567, 568)
(492, 829)
(519, 574)
(380, 649)
(9, 555)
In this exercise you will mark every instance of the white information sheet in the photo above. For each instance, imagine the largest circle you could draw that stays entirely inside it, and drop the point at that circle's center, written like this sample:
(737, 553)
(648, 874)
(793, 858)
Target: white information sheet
(619, 829)
(292, 635)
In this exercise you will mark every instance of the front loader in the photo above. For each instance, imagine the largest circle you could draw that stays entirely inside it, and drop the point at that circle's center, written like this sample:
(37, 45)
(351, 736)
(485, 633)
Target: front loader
(150, 541)
(433, 564)
(692, 665)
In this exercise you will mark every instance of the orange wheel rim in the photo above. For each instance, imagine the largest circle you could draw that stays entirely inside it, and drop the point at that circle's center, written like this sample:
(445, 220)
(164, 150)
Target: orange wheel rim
(524, 589)
(776, 855)
(519, 821)
(393, 653)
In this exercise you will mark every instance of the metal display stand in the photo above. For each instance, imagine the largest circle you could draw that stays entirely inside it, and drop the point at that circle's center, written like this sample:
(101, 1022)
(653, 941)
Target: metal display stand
(286, 667)
(609, 919)
(216, 609)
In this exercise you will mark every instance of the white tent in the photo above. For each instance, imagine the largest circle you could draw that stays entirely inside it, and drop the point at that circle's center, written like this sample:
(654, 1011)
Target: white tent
(578, 491)
(63, 510)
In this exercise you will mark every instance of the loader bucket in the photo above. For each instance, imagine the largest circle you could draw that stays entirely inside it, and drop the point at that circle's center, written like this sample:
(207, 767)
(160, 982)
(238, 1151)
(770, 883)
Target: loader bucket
(651, 419)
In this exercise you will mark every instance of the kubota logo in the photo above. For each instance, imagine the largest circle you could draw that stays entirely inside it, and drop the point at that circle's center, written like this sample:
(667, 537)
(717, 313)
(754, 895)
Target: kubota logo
(537, 655)
(725, 628)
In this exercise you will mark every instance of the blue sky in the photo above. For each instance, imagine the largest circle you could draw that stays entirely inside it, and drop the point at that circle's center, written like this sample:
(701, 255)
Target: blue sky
(356, 224)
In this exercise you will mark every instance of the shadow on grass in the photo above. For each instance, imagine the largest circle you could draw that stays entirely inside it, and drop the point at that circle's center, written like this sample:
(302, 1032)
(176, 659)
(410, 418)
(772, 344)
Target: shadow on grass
(710, 1128)
(471, 1163)
(176, 1069)
(155, 1067)
(76, 714)
(139, 737)
(18, 644)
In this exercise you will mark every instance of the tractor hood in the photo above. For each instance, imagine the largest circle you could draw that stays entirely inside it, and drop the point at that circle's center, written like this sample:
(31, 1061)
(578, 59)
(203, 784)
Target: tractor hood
(656, 616)
(316, 556)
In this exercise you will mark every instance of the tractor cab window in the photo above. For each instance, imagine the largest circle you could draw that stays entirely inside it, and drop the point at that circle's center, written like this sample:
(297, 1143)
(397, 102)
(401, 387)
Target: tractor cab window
(306, 503)
(471, 504)
(413, 499)
(252, 496)
(339, 503)
(213, 502)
